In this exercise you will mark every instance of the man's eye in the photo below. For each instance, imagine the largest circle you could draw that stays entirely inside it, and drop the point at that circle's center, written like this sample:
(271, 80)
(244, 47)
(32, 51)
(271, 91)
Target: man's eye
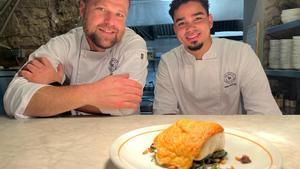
(180, 24)
(101, 9)
(120, 15)
(197, 19)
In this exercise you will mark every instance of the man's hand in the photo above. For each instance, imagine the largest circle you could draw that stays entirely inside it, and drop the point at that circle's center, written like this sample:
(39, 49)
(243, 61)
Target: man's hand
(40, 70)
(114, 92)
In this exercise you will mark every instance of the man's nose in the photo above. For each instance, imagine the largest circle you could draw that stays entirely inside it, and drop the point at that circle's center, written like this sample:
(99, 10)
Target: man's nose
(109, 18)
(189, 26)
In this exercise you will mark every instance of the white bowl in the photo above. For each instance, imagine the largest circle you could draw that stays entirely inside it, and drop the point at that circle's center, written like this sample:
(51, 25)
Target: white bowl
(291, 11)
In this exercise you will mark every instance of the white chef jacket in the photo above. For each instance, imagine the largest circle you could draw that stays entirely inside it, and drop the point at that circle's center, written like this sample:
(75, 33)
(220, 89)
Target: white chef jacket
(81, 65)
(229, 73)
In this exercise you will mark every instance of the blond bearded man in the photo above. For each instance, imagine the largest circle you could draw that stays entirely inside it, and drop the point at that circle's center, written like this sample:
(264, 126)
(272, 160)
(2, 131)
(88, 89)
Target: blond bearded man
(104, 62)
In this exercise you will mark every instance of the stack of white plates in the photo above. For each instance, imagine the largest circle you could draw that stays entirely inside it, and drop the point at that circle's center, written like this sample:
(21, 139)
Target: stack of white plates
(274, 54)
(286, 53)
(290, 15)
(296, 52)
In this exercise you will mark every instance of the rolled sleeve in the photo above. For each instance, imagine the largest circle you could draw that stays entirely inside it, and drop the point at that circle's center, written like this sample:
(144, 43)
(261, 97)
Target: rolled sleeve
(18, 95)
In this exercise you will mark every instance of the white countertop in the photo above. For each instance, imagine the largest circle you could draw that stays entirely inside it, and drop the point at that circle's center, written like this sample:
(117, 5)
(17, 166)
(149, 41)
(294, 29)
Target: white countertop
(84, 142)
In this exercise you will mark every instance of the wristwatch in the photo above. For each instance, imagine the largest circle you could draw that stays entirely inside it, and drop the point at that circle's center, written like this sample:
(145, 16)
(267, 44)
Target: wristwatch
(55, 84)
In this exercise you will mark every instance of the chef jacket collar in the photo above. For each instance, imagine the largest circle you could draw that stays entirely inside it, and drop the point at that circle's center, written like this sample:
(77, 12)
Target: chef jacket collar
(209, 55)
(86, 48)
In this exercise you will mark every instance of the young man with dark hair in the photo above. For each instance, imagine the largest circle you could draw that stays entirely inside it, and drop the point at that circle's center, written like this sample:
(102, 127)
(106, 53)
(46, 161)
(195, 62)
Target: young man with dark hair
(207, 75)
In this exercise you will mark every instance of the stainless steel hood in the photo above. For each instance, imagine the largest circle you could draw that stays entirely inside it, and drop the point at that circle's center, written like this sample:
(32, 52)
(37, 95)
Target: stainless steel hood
(148, 12)
(155, 12)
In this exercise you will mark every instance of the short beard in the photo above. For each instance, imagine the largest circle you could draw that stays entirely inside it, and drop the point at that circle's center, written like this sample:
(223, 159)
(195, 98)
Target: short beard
(97, 41)
(195, 47)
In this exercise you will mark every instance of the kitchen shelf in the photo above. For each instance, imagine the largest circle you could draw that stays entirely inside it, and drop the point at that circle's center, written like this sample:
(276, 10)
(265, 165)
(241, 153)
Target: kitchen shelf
(286, 30)
(283, 73)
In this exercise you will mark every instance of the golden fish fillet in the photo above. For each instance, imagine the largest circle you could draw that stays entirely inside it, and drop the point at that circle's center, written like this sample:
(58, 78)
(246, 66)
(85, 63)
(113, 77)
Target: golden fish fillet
(188, 140)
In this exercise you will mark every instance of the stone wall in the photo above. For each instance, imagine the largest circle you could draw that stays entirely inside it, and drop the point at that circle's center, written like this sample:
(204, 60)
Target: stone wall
(34, 22)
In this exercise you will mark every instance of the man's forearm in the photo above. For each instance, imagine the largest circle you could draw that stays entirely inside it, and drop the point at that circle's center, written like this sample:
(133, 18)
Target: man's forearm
(50, 100)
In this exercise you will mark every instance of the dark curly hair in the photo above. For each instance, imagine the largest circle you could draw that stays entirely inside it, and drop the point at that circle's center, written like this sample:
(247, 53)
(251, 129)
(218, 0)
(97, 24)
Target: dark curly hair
(175, 4)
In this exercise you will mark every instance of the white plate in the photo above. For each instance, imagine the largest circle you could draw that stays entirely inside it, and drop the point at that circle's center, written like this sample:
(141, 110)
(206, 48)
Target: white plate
(127, 151)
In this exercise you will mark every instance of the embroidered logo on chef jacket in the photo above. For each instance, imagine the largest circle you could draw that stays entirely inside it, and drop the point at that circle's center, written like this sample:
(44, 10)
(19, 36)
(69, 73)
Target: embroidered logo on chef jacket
(113, 65)
(229, 79)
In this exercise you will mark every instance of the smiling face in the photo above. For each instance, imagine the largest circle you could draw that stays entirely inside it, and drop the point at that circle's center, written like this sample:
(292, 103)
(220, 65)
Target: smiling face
(192, 26)
(103, 22)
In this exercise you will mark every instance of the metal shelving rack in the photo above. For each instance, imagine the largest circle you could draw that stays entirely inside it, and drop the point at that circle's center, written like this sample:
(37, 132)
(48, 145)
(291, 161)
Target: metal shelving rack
(287, 30)
(283, 73)
(284, 30)
(286, 76)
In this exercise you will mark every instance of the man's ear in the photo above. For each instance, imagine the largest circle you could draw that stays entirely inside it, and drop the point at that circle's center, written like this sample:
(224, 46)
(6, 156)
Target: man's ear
(211, 21)
(81, 7)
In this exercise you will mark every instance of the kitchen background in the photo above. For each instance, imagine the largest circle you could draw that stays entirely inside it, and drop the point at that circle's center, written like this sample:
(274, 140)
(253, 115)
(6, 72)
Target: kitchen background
(27, 24)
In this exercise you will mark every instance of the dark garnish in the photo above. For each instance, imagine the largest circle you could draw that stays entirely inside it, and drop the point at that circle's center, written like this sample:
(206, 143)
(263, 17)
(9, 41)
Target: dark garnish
(245, 159)
(216, 157)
